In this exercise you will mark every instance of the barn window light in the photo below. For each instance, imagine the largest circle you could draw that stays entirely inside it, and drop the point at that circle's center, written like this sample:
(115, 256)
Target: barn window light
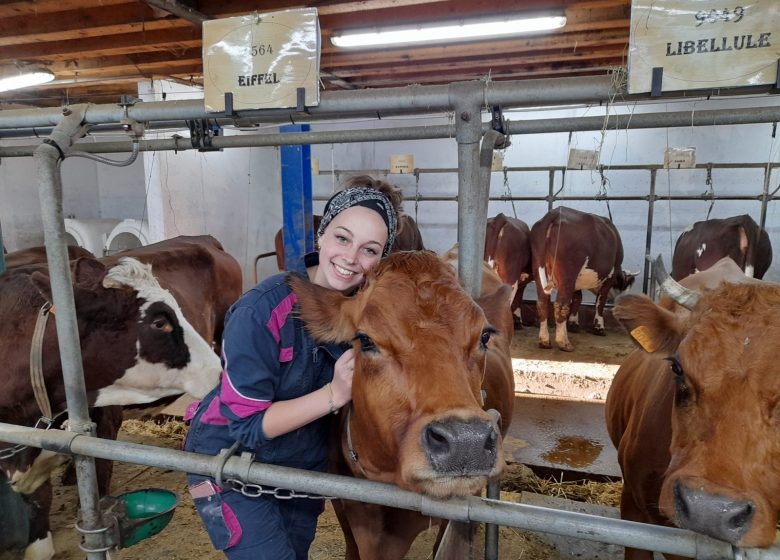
(445, 32)
(25, 77)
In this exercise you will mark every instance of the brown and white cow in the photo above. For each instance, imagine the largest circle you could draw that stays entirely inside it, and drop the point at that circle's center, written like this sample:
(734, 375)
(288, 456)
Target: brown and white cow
(37, 255)
(575, 251)
(705, 243)
(408, 237)
(695, 412)
(416, 418)
(136, 346)
(508, 252)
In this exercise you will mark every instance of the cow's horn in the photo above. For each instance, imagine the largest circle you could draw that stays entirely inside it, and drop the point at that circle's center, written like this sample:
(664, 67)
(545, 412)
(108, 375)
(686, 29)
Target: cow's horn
(679, 293)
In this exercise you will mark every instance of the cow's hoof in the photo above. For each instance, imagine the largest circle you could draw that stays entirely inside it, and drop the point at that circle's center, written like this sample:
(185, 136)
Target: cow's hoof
(567, 348)
(545, 345)
(598, 331)
(573, 327)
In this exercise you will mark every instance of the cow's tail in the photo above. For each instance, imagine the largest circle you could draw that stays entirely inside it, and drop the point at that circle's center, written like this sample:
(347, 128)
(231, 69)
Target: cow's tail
(539, 234)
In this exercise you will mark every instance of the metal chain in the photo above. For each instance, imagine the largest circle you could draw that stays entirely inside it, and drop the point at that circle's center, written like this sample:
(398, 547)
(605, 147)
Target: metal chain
(508, 192)
(11, 451)
(257, 490)
(42, 423)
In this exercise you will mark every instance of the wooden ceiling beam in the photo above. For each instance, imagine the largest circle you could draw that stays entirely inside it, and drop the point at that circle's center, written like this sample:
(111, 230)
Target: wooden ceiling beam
(486, 66)
(80, 24)
(126, 43)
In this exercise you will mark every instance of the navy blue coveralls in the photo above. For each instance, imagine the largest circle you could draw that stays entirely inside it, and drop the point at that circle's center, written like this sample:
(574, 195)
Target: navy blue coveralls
(267, 356)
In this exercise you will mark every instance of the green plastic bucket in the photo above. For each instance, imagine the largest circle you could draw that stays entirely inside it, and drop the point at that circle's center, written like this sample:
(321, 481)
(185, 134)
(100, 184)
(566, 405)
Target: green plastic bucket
(147, 512)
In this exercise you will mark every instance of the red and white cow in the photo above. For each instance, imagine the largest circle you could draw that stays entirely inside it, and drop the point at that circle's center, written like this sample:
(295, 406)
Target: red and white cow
(136, 345)
(575, 251)
(508, 252)
(695, 413)
(423, 353)
(705, 243)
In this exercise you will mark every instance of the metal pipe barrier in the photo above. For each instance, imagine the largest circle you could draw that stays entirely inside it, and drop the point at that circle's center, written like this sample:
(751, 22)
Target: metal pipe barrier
(482, 510)
(340, 104)
(539, 126)
(47, 160)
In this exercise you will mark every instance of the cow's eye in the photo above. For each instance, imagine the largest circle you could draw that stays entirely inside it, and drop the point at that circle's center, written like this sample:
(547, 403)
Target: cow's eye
(366, 344)
(682, 392)
(677, 368)
(485, 337)
(161, 323)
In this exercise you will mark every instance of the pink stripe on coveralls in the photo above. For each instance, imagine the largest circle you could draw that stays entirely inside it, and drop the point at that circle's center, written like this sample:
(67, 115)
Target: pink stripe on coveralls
(279, 315)
(240, 405)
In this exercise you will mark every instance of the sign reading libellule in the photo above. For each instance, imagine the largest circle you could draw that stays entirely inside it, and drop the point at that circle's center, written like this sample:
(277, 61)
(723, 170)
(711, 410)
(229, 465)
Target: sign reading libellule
(262, 59)
(703, 44)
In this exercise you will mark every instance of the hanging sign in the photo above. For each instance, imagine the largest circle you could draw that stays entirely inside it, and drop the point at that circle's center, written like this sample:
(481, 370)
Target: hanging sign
(401, 163)
(680, 158)
(262, 59)
(703, 44)
(583, 159)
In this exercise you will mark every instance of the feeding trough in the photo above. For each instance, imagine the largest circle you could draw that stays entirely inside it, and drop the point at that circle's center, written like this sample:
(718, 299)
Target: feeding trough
(139, 514)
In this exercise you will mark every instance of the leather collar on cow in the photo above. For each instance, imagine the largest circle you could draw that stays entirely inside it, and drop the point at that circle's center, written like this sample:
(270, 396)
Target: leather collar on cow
(352, 453)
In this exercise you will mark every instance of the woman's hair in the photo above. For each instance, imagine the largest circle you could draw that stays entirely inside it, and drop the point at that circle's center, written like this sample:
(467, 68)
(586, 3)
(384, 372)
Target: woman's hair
(393, 193)
(380, 196)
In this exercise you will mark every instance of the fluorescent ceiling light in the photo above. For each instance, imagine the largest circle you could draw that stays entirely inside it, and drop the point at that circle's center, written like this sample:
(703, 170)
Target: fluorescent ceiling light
(428, 33)
(26, 78)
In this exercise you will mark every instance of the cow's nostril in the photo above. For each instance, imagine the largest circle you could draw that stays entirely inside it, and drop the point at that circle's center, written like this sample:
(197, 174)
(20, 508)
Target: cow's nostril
(741, 516)
(490, 441)
(681, 504)
(437, 438)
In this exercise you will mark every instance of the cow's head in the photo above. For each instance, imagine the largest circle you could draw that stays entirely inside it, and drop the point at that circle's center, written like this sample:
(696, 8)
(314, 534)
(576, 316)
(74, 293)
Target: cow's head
(724, 475)
(420, 344)
(136, 344)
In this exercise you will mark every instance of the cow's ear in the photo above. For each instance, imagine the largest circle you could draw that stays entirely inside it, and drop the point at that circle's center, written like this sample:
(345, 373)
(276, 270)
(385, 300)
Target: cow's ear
(652, 327)
(42, 283)
(87, 272)
(326, 313)
(499, 299)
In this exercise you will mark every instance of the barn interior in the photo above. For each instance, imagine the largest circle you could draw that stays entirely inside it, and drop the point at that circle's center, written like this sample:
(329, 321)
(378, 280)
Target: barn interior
(577, 137)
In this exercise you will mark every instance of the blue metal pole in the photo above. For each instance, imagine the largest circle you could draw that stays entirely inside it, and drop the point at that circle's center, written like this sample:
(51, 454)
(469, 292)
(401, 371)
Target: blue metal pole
(296, 197)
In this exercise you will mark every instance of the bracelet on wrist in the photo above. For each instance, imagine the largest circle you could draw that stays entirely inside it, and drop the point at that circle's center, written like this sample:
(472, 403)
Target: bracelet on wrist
(332, 408)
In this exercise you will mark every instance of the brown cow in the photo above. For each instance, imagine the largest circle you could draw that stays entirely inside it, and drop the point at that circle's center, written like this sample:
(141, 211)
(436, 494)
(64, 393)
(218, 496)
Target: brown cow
(416, 418)
(508, 251)
(407, 238)
(37, 255)
(694, 414)
(136, 347)
(575, 251)
(705, 243)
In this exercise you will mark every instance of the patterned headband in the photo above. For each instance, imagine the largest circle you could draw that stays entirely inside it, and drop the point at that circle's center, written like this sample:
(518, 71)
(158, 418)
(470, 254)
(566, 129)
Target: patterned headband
(368, 198)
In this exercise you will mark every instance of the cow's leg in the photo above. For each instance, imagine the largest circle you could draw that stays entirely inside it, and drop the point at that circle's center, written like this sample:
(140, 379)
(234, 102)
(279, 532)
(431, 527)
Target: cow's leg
(562, 309)
(573, 322)
(542, 306)
(379, 532)
(598, 318)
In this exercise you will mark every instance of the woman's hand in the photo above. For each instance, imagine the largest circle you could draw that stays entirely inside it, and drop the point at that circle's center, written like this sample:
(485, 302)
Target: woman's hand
(342, 378)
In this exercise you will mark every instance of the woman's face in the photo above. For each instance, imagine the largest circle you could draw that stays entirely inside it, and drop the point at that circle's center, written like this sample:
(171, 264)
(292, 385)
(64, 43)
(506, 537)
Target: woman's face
(350, 246)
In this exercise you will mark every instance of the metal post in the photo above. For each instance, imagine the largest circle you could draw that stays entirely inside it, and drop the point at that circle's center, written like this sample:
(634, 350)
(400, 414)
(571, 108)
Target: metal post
(649, 233)
(466, 97)
(296, 197)
(765, 195)
(47, 158)
(2, 252)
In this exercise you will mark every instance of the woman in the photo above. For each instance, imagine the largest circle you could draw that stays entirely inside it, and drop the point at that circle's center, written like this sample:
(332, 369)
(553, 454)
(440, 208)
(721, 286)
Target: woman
(278, 384)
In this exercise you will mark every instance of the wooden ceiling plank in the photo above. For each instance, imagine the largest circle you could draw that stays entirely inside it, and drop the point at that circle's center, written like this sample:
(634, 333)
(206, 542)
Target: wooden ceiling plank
(80, 24)
(125, 43)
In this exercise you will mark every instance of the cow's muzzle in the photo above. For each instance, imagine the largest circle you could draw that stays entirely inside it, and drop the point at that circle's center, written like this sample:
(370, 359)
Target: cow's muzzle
(461, 448)
(721, 517)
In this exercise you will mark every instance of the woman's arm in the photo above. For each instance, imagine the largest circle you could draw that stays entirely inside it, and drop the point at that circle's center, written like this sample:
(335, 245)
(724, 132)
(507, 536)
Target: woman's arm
(285, 416)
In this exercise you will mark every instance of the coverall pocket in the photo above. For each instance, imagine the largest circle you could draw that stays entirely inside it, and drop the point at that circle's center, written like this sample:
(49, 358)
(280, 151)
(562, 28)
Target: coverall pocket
(221, 523)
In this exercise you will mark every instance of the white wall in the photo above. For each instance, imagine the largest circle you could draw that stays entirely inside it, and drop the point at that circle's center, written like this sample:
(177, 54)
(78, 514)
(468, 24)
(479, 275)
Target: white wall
(235, 195)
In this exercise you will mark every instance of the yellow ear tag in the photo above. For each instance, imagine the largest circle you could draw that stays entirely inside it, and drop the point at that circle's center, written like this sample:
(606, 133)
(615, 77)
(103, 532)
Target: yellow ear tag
(642, 335)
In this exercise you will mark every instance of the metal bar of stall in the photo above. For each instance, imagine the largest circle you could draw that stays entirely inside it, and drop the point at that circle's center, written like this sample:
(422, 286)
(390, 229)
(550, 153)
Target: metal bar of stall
(578, 525)
(649, 232)
(648, 120)
(47, 160)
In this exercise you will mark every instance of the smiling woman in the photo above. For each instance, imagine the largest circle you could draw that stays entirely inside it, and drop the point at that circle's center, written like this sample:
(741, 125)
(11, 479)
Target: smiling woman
(279, 385)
